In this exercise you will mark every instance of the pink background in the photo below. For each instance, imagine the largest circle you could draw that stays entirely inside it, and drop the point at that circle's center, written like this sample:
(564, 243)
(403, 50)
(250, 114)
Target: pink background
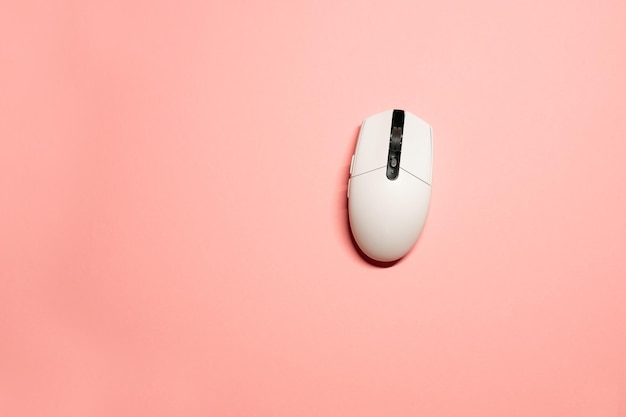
(173, 213)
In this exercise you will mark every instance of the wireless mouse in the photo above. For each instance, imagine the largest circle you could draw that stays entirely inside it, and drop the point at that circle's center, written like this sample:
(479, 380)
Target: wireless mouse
(390, 184)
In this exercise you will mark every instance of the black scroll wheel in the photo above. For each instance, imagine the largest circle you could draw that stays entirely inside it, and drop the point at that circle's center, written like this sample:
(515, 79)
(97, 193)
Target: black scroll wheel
(396, 138)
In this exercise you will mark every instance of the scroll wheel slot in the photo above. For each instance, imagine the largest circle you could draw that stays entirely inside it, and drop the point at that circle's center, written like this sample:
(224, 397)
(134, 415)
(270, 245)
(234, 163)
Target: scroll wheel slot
(396, 139)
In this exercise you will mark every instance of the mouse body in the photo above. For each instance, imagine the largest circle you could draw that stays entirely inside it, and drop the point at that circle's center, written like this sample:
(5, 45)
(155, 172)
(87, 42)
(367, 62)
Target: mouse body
(390, 184)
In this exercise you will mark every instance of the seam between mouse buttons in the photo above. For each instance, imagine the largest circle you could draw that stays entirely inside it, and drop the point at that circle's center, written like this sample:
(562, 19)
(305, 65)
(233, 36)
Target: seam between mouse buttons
(415, 176)
(367, 172)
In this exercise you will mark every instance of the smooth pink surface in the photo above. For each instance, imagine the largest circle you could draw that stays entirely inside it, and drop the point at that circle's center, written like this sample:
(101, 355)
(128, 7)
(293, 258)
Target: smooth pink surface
(173, 213)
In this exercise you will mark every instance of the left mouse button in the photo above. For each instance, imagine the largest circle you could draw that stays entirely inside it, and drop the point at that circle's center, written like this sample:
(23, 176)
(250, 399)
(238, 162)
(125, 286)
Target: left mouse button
(372, 144)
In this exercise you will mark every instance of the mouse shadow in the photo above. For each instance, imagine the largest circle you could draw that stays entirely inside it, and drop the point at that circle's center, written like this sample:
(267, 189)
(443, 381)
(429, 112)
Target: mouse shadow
(346, 221)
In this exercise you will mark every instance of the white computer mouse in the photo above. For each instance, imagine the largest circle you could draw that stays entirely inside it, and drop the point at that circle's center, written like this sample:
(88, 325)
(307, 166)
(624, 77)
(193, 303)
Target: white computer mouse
(390, 183)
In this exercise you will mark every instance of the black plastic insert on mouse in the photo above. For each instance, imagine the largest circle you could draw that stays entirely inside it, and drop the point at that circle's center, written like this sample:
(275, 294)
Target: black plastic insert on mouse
(395, 144)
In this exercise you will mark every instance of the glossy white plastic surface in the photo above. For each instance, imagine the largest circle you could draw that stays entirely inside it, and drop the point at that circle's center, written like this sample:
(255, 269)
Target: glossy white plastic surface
(387, 216)
(371, 151)
(417, 147)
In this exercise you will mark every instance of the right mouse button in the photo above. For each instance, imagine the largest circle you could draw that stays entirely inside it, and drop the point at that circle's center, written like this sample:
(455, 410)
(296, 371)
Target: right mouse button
(417, 151)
